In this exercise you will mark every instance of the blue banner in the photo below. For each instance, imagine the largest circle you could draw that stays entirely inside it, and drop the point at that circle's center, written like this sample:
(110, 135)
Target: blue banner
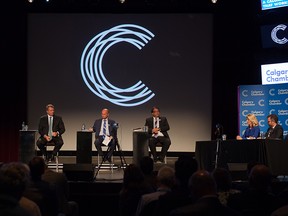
(271, 4)
(263, 100)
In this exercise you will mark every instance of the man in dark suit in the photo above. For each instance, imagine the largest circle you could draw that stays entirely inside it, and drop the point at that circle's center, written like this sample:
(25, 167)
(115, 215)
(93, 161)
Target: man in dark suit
(105, 129)
(157, 129)
(51, 127)
(275, 130)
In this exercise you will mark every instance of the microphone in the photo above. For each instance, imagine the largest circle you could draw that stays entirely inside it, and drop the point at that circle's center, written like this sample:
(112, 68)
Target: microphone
(116, 125)
(218, 130)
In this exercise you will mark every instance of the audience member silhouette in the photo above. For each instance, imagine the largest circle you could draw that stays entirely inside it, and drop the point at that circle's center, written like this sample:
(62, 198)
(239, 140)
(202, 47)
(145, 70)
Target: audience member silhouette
(147, 166)
(185, 166)
(133, 187)
(223, 181)
(26, 203)
(60, 181)
(13, 181)
(258, 198)
(166, 181)
(203, 188)
(30, 206)
(39, 191)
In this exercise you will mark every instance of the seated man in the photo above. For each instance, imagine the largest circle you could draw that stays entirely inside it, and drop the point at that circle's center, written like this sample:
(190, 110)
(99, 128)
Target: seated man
(105, 130)
(157, 129)
(275, 130)
(51, 127)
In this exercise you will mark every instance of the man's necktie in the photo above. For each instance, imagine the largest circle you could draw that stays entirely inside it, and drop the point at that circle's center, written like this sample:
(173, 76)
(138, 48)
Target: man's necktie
(104, 128)
(50, 127)
(156, 123)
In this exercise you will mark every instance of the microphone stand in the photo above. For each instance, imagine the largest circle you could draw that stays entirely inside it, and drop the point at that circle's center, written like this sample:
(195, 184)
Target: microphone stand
(218, 142)
(218, 134)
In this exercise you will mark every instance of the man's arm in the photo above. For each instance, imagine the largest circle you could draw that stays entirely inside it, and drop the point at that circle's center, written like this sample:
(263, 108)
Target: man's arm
(164, 124)
(61, 126)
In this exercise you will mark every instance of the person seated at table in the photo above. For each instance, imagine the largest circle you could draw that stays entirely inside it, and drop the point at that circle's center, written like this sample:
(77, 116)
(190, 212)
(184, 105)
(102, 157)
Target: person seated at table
(275, 130)
(252, 130)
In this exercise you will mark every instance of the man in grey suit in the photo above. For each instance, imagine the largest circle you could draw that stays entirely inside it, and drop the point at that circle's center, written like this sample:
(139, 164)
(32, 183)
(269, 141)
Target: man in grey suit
(157, 130)
(51, 127)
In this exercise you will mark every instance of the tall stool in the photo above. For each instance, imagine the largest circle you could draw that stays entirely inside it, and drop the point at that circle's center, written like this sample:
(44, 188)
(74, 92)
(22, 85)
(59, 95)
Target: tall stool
(104, 164)
(159, 147)
(49, 144)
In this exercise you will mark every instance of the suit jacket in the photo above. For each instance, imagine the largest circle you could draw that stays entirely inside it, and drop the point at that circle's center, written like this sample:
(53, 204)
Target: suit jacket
(58, 125)
(206, 206)
(163, 125)
(111, 128)
(276, 133)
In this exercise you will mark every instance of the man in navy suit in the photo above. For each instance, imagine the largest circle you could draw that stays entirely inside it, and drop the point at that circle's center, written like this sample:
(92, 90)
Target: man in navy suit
(105, 128)
(51, 127)
(157, 129)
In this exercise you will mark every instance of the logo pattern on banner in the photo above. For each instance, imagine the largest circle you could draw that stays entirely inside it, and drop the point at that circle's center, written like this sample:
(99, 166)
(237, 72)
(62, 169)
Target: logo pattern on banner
(92, 65)
(263, 100)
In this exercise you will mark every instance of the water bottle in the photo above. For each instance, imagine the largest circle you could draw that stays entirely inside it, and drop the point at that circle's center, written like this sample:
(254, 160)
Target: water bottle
(83, 127)
(23, 125)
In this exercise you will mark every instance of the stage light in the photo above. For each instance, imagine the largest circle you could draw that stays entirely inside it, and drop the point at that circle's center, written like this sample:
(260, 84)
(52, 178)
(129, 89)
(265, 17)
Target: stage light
(30, 1)
(122, 1)
(214, 1)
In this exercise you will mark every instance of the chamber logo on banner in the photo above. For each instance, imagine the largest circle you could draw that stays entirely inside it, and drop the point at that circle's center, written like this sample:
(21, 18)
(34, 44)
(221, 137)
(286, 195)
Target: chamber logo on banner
(263, 100)
(274, 35)
(92, 65)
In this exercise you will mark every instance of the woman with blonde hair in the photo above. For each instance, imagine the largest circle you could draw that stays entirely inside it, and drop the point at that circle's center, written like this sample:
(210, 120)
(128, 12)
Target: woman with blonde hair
(252, 130)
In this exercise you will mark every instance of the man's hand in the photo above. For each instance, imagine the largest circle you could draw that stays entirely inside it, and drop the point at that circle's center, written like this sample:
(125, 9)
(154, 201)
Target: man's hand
(155, 130)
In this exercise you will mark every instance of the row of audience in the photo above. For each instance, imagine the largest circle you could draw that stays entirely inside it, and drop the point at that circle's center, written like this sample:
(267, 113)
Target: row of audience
(186, 190)
(34, 190)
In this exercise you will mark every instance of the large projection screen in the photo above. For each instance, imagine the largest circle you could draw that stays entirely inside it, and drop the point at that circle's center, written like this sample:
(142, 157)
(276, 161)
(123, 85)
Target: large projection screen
(127, 63)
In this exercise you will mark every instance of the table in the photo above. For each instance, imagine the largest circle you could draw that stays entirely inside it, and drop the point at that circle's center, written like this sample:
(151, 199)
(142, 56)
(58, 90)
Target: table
(272, 153)
(84, 147)
(27, 148)
(140, 146)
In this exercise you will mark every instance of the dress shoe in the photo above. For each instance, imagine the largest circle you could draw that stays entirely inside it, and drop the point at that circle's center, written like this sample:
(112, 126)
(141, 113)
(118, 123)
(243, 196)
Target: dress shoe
(109, 160)
(52, 158)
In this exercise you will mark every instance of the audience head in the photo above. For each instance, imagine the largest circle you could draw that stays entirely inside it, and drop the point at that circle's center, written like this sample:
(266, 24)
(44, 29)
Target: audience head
(185, 166)
(147, 165)
(250, 165)
(37, 168)
(222, 178)
(201, 183)
(133, 176)
(166, 176)
(14, 178)
(260, 177)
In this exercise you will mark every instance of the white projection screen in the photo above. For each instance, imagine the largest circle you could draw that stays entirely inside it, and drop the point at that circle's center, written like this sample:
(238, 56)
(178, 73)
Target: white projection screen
(128, 63)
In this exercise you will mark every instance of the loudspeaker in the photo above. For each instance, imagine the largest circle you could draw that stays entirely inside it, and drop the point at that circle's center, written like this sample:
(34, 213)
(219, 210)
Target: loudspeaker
(79, 172)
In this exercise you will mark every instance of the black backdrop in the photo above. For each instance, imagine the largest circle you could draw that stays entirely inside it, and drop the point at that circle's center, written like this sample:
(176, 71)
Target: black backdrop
(237, 57)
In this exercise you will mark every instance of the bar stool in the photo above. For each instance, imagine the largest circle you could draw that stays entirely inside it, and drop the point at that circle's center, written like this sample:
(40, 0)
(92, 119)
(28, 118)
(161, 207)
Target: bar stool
(159, 147)
(52, 144)
(105, 150)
